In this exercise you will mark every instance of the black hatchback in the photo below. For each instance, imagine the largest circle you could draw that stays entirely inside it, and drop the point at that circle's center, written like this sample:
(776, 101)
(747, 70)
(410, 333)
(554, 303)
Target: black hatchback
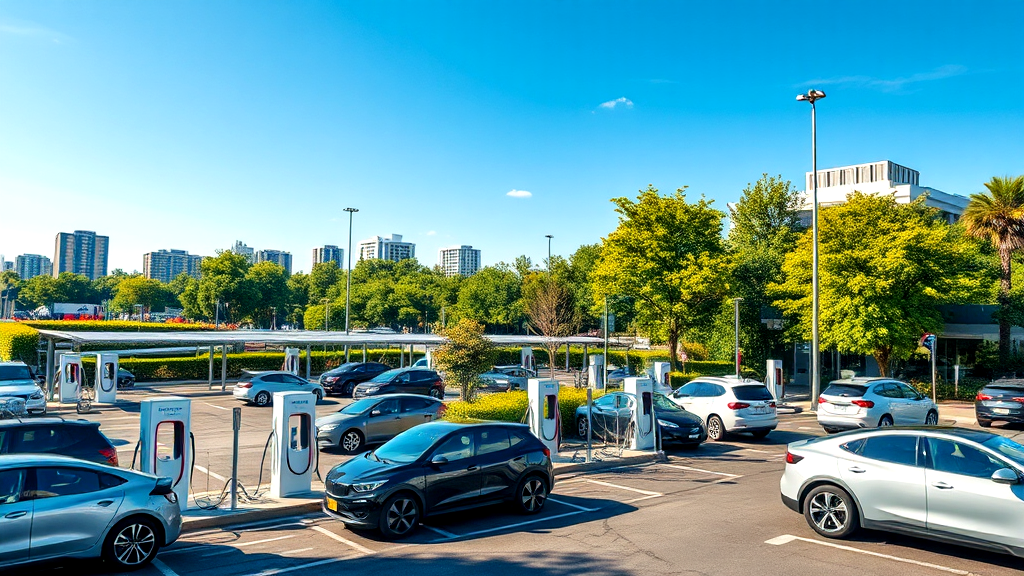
(437, 468)
(1000, 401)
(343, 379)
(402, 381)
(76, 438)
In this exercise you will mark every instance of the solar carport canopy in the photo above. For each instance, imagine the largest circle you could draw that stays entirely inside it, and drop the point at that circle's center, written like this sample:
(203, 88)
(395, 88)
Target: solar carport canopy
(288, 338)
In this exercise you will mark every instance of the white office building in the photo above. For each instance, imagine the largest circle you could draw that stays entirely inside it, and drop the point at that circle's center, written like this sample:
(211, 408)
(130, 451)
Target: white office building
(166, 265)
(241, 248)
(390, 248)
(328, 253)
(459, 260)
(279, 257)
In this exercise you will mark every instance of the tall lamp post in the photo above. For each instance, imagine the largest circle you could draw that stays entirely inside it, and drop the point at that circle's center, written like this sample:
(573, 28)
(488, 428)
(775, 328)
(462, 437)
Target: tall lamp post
(348, 273)
(549, 237)
(736, 314)
(812, 96)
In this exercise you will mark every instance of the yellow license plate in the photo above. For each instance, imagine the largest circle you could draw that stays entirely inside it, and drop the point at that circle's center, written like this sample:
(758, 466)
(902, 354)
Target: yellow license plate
(332, 504)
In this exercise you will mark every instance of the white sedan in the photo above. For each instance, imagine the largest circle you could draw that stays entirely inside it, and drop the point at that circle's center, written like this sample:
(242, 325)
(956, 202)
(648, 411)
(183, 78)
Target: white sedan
(259, 387)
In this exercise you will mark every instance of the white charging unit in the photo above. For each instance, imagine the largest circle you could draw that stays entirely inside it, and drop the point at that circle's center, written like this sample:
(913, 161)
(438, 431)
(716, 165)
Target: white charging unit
(644, 420)
(526, 359)
(660, 372)
(595, 371)
(542, 412)
(106, 378)
(165, 445)
(70, 379)
(773, 379)
(294, 445)
(291, 360)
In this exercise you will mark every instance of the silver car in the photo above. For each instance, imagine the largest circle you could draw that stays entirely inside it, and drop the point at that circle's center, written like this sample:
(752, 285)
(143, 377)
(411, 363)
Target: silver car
(375, 419)
(873, 402)
(508, 378)
(16, 381)
(56, 507)
(259, 387)
(950, 484)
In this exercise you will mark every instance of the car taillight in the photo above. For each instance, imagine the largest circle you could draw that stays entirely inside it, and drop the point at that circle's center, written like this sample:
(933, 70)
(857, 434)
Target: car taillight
(981, 396)
(442, 409)
(737, 405)
(547, 452)
(110, 454)
(821, 400)
(1021, 400)
(792, 458)
(243, 385)
(864, 403)
(771, 404)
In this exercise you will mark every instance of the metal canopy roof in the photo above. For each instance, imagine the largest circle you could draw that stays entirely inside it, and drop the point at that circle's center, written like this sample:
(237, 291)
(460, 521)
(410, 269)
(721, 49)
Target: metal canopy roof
(289, 338)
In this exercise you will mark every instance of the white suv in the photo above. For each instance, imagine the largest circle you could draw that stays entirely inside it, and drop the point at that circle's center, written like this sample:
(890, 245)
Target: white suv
(873, 402)
(729, 404)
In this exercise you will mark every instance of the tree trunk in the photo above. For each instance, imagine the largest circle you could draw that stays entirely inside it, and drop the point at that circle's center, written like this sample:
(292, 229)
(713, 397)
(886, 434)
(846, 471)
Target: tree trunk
(1004, 302)
(882, 358)
(673, 343)
(551, 359)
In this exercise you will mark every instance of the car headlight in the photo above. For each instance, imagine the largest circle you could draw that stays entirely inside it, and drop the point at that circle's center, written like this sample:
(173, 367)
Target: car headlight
(327, 427)
(367, 486)
(330, 379)
(370, 388)
(667, 424)
(37, 395)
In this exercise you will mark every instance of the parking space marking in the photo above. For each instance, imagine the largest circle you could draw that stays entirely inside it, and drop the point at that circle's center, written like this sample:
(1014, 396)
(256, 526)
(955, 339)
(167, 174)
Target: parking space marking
(444, 533)
(510, 526)
(343, 540)
(701, 470)
(578, 507)
(787, 538)
(217, 407)
(299, 567)
(637, 490)
(163, 568)
(243, 528)
(245, 544)
(287, 552)
(210, 474)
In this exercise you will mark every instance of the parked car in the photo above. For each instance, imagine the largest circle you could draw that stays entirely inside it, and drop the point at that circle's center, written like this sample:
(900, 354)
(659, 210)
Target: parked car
(854, 403)
(618, 376)
(1000, 401)
(439, 467)
(259, 387)
(75, 438)
(374, 420)
(728, 404)
(402, 380)
(612, 414)
(343, 379)
(421, 363)
(507, 378)
(60, 507)
(950, 484)
(125, 379)
(16, 380)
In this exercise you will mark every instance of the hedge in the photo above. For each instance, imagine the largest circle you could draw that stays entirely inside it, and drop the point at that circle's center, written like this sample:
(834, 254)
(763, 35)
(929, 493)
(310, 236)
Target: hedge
(511, 407)
(966, 391)
(677, 379)
(113, 326)
(18, 342)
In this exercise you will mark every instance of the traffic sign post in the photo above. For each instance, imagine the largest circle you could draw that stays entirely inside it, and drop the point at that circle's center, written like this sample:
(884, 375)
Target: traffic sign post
(929, 342)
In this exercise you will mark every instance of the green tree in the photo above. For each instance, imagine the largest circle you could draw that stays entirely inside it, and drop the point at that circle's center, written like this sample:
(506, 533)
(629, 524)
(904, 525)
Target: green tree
(492, 297)
(465, 354)
(322, 278)
(550, 311)
(105, 287)
(47, 290)
(314, 317)
(270, 281)
(883, 269)
(223, 278)
(10, 283)
(667, 255)
(997, 215)
(151, 294)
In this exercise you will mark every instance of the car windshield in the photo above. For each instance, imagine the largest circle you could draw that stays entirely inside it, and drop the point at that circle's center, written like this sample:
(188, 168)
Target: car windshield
(385, 377)
(359, 406)
(346, 367)
(411, 444)
(845, 390)
(757, 392)
(663, 404)
(1007, 448)
(14, 373)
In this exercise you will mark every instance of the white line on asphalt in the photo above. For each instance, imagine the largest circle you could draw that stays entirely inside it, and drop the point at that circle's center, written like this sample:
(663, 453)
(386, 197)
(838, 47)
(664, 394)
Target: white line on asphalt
(755, 450)
(255, 542)
(287, 552)
(787, 538)
(242, 528)
(217, 407)
(702, 471)
(210, 474)
(637, 490)
(163, 568)
(444, 533)
(516, 525)
(550, 499)
(343, 540)
(299, 567)
(641, 498)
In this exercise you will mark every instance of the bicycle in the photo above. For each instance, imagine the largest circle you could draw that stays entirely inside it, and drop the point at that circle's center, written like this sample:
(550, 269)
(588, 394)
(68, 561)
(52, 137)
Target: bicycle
(580, 378)
(84, 404)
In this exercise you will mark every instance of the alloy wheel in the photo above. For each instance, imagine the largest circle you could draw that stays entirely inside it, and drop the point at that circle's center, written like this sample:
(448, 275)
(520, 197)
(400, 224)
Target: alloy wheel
(402, 516)
(828, 512)
(351, 441)
(714, 428)
(134, 544)
(533, 494)
(932, 419)
(435, 393)
(582, 426)
(262, 399)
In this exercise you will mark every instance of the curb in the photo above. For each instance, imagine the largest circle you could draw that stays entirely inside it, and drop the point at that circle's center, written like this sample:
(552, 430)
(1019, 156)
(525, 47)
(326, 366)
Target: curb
(578, 467)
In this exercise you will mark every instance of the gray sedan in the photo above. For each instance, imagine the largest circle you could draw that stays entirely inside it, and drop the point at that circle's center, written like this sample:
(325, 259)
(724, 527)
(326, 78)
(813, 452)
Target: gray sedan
(509, 378)
(375, 419)
(60, 507)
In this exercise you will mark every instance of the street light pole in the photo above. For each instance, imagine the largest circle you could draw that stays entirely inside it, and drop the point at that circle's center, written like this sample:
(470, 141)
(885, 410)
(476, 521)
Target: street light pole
(549, 237)
(736, 315)
(812, 96)
(348, 273)
(327, 314)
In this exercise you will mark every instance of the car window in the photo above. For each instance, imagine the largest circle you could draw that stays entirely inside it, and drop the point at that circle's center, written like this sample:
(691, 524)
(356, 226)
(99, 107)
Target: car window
(458, 447)
(54, 482)
(38, 439)
(386, 376)
(12, 482)
(689, 389)
(15, 372)
(387, 407)
(290, 379)
(897, 449)
(490, 440)
(515, 437)
(845, 390)
(892, 391)
(604, 401)
(961, 458)
(1000, 444)
(752, 392)
(272, 378)
(854, 446)
(414, 404)
(908, 392)
(715, 390)
(663, 404)
(110, 481)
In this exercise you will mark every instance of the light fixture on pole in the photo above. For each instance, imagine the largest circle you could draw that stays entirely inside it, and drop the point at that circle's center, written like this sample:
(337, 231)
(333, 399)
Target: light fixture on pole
(348, 273)
(812, 96)
(736, 314)
(549, 237)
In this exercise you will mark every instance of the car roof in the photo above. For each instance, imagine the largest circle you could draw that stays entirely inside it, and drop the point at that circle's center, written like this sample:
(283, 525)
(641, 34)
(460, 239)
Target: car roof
(397, 395)
(862, 380)
(12, 363)
(35, 459)
(728, 381)
(978, 436)
(10, 423)
(452, 426)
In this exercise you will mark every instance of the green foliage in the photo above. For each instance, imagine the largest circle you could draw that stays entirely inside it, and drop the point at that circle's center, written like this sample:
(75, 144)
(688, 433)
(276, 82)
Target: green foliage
(153, 295)
(223, 278)
(112, 326)
(945, 390)
(315, 317)
(465, 354)
(492, 297)
(47, 290)
(270, 281)
(511, 407)
(18, 342)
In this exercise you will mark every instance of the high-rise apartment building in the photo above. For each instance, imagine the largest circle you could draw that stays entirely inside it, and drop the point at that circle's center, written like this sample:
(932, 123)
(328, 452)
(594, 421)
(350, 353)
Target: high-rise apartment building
(32, 265)
(327, 254)
(276, 256)
(166, 265)
(241, 248)
(459, 260)
(390, 248)
(81, 252)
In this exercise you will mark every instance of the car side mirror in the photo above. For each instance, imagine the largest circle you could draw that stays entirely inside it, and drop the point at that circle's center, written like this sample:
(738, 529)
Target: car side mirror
(1005, 476)
(374, 413)
(439, 459)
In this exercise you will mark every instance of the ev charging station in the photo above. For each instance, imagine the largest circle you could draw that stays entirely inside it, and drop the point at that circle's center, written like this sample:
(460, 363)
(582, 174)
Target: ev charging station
(660, 372)
(595, 371)
(526, 359)
(542, 413)
(165, 441)
(644, 420)
(70, 378)
(291, 360)
(294, 445)
(106, 378)
(773, 379)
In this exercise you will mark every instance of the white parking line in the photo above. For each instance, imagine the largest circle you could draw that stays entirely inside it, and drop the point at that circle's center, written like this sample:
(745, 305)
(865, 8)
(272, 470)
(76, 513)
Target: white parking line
(251, 527)
(210, 474)
(444, 533)
(299, 567)
(243, 545)
(345, 541)
(701, 470)
(516, 525)
(550, 499)
(163, 568)
(637, 490)
(217, 407)
(787, 538)
(288, 552)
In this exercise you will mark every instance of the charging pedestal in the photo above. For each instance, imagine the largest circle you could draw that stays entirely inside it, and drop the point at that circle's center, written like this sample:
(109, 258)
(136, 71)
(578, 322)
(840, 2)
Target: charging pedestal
(595, 372)
(71, 378)
(526, 359)
(542, 413)
(644, 421)
(291, 463)
(106, 378)
(429, 355)
(165, 443)
(291, 360)
(660, 372)
(773, 379)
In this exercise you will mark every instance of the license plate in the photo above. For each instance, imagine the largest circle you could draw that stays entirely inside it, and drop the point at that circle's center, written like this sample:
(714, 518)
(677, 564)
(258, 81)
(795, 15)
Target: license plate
(694, 436)
(1001, 410)
(760, 410)
(332, 504)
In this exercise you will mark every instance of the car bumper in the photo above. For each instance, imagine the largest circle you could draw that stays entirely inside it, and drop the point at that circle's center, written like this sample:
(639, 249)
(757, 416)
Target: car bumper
(357, 393)
(36, 406)
(995, 413)
(843, 422)
(683, 435)
(242, 394)
(361, 512)
(328, 439)
(767, 422)
(791, 503)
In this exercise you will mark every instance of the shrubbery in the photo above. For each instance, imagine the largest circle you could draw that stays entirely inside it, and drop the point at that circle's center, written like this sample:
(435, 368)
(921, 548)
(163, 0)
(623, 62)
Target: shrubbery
(113, 326)
(944, 390)
(511, 407)
(18, 342)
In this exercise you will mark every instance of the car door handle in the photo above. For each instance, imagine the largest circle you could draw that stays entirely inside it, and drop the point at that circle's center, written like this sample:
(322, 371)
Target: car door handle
(942, 486)
(104, 503)
(857, 470)
(472, 469)
(16, 514)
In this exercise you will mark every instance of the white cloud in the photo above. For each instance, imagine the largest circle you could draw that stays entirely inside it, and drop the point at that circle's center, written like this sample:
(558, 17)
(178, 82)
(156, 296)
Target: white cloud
(432, 233)
(611, 104)
(893, 84)
(519, 193)
(31, 30)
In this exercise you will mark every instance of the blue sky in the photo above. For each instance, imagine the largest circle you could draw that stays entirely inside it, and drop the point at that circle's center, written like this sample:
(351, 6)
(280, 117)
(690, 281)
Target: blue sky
(192, 124)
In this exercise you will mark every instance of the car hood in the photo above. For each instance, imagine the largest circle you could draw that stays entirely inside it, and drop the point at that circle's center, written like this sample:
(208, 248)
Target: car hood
(18, 388)
(363, 468)
(335, 418)
(681, 418)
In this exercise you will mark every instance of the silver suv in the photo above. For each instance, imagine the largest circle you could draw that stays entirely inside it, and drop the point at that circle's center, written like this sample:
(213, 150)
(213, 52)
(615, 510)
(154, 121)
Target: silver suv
(16, 381)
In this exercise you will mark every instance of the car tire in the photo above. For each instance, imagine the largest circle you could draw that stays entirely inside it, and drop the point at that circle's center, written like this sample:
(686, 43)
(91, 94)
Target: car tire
(399, 516)
(760, 434)
(319, 396)
(582, 426)
(531, 494)
(436, 393)
(349, 390)
(932, 419)
(716, 428)
(885, 421)
(262, 399)
(831, 512)
(984, 423)
(351, 441)
(132, 543)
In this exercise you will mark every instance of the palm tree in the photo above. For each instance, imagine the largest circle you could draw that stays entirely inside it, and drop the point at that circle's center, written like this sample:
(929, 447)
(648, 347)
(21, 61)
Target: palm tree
(998, 216)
